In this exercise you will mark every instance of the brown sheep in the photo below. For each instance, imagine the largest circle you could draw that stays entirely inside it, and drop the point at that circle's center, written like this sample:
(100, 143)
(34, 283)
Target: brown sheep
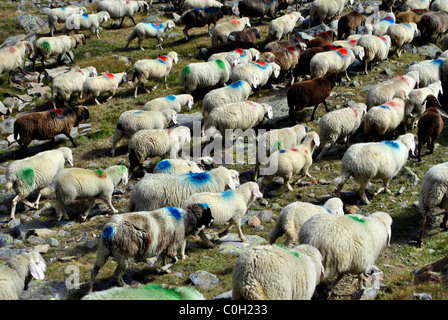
(287, 58)
(349, 22)
(46, 125)
(321, 39)
(296, 42)
(430, 125)
(410, 16)
(310, 93)
(247, 35)
(433, 22)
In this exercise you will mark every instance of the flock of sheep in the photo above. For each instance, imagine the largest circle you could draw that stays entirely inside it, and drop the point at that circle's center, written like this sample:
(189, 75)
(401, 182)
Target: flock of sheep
(183, 197)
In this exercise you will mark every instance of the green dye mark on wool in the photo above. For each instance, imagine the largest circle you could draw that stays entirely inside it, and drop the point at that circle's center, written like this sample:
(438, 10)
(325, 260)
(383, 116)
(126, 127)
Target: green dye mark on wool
(357, 219)
(221, 65)
(295, 254)
(185, 71)
(46, 45)
(27, 177)
(278, 145)
(100, 173)
(166, 293)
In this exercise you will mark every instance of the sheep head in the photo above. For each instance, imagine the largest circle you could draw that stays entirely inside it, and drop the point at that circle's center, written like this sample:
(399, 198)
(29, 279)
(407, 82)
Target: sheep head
(206, 218)
(233, 180)
(82, 113)
(226, 10)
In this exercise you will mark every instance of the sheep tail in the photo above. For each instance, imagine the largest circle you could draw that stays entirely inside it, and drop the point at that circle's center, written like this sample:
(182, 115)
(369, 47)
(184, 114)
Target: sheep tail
(254, 291)
(8, 185)
(276, 233)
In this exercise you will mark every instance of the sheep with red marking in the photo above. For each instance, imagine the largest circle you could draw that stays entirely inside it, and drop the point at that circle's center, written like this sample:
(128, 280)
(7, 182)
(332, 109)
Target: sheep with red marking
(430, 125)
(222, 30)
(321, 39)
(287, 58)
(376, 48)
(12, 57)
(257, 73)
(433, 23)
(284, 25)
(380, 28)
(246, 55)
(226, 47)
(410, 16)
(349, 22)
(107, 82)
(303, 67)
(333, 61)
(247, 35)
(261, 8)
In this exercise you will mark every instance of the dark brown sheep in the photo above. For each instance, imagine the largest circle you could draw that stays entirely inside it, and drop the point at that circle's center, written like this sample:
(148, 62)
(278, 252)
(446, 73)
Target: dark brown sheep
(410, 16)
(430, 126)
(433, 23)
(287, 58)
(310, 93)
(349, 22)
(296, 42)
(321, 39)
(46, 125)
(261, 8)
(247, 35)
(225, 47)
(303, 67)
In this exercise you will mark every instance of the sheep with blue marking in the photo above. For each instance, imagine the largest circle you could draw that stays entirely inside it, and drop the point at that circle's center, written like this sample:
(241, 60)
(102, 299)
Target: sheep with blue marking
(122, 9)
(429, 71)
(145, 30)
(84, 21)
(158, 190)
(106, 82)
(401, 34)
(146, 234)
(55, 15)
(338, 60)
(246, 55)
(380, 28)
(222, 30)
(180, 166)
(366, 161)
(283, 26)
(263, 72)
(173, 102)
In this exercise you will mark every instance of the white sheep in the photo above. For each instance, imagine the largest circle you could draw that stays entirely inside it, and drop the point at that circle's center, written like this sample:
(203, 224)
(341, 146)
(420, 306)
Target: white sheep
(156, 142)
(174, 102)
(69, 83)
(428, 70)
(77, 183)
(277, 273)
(185, 5)
(339, 60)
(340, 125)
(376, 48)
(294, 215)
(292, 161)
(159, 189)
(106, 82)
(227, 207)
(180, 166)
(380, 28)
(259, 71)
(349, 244)
(326, 9)
(401, 34)
(12, 57)
(35, 173)
(415, 4)
(55, 15)
(221, 31)
(144, 30)
(367, 161)
(283, 26)
(84, 21)
(18, 271)
(207, 74)
(121, 9)
(158, 68)
(131, 121)
(246, 55)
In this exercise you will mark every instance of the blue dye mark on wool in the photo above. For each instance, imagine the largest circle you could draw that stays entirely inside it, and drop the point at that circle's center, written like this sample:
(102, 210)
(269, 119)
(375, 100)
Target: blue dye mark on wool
(326, 209)
(205, 205)
(164, 165)
(138, 111)
(437, 62)
(85, 15)
(228, 194)
(389, 19)
(282, 151)
(175, 213)
(171, 97)
(157, 26)
(199, 178)
(392, 144)
(108, 232)
(236, 84)
(385, 107)
(63, 9)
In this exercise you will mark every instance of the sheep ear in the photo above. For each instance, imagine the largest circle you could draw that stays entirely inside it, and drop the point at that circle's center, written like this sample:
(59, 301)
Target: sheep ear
(316, 140)
(124, 178)
(37, 270)
(255, 82)
(270, 113)
(190, 104)
(276, 73)
(174, 119)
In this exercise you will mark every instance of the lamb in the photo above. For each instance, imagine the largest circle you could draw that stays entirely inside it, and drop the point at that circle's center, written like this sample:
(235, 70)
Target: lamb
(77, 183)
(349, 244)
(18, 271)
(55, 15)
(376, 48)
(433, 194)
(221, 31)
(156, 142)
(294, 215)
(246, 35)
(349, 22)
(266, 272)
(310, 93)
(207, 74)
(322, 38)
(69, 83)
(365, 161)
(158, 68)
(428, 71)
(122, 9)
(180, 166)
(410, 16)
(259, 71)
(287, 58)
(173, 102)
(332, 61)
(83, 21)
(159, 189)
(35, 173)
(415, 4)
(12, 57)
(260, 8)
(401, 34)
(131, 121)
(430, 125)
(227, 207)
(284, 25)
(185, 5)
(144, 30)
(380, 28)
(55, 46)
(340, 124)
(136, 235)
(45, 125)
(433, 22)
(326, 9)
(107, 82)
(292, 161)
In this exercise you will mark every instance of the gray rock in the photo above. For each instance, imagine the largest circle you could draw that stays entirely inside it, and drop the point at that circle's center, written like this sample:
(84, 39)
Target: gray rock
(47, 290)
(422, 296)
(31, 23)
(224, 296)
(7, 126)
(53, 242)
(429, 51)
(6, 240)
(265, 216)
(204, 280)
(231, 243)
(4, 110)
(410, 174)
(36, 240)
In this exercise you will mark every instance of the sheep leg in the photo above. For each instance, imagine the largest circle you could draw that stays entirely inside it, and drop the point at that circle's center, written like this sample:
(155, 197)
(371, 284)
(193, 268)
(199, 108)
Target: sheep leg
(422, 229)
(346, 75)
(206, 240)
(22, 71)
(108, 200)
(183, 256)
(166, 83)
(343, 179)
(113, 93)
(266, 180)
(362, 192)
(444, 223)
(240, 232)
(185, 34)
(226, 231)
(71, 139)
(13, 206)
(118, 275)
(83, 217)
(60, 211)
(166, 267)
(121, 22)
(155, 87)
(419, 151)
(314, 110)
(287, 180)
(139, 43)
(383, 188)
(36, 203)
(133, 20)
(327, 291)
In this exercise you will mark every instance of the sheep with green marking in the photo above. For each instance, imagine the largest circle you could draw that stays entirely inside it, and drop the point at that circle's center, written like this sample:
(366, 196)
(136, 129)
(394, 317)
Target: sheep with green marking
(35, 173)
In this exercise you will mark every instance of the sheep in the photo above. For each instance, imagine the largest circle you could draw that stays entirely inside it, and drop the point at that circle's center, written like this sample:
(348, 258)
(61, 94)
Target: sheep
(340, 124)
(266, 272)
(386, 117)
(45, 125)
(207, 74)
(149, 291)
(295, 42)
(159, 189)
(261, 8)
(433, 22)
(277, 139)
(366, 161)
(55, 15)
(131, 121)
(309, 93)
(34, 173)
(257, 73)
(337, 60)
(185, 5)
(380, 28)
(429, 71)
(322, 38)
(430, 125)
(106, 82)
(401, 34)
(376, 48)
(49, 46)
(70, 184)
(326, 9)
(69, 83)
(410, 16)
(221, 31)
(158, 68)
(349, 244)
(284, 25)
(439, 5)
(349, 22)
(245, 55)
(225, 47)
(303, 67)
(433, 194)
(292, 161)
(415, 4)
(145, 234)
(246, 35)
(144, 30)
(173, 102)
(287, 58)
(122, 9)
(18, 271)
(180, 166)
(83, 21)
(294, 215)
(385, 91)
(12, 57)
(156, 142)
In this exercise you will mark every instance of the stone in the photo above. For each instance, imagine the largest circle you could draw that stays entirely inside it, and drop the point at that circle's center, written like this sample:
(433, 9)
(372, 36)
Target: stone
(31, 23)
(224, 296)
(253, 221)
(204, 280)
(410, 174)
(35, 240)
(422, 296)
(6, 240)
(265, 216)
(42, 248)
(47, 290)
(7, 126)
(42, 232)
(53, 242)
(231, 243)
(4, 111)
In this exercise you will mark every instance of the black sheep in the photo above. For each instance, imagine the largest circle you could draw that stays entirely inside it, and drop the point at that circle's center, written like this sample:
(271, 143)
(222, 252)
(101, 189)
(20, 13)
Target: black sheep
(261, 8)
